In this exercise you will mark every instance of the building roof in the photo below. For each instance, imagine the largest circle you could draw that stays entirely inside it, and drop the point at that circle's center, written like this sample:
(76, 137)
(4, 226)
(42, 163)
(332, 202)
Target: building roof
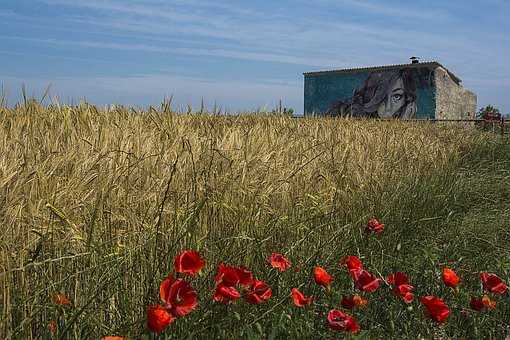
(432, 64)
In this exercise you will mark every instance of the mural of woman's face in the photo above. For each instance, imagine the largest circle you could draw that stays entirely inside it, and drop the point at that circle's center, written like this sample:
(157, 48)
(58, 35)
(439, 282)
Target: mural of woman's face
(394, 101)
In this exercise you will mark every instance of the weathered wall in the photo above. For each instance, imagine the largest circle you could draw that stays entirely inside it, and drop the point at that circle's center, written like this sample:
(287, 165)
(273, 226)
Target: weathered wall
(452, 100)
(372, 94)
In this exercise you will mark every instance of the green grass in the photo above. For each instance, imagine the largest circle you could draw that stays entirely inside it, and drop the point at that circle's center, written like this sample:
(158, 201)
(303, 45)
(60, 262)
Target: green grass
(95, 203)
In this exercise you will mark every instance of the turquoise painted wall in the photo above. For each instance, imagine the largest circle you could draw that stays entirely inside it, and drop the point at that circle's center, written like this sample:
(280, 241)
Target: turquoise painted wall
(322, 90)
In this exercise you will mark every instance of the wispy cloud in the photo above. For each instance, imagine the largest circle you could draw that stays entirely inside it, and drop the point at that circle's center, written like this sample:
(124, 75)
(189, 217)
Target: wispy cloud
(303, 35)
(190, 30)
(6, 13)
(288, 59)
(250, 35)
(57, 56)
(388, 9)
(167, 13)
(150, 7)
(322, 44)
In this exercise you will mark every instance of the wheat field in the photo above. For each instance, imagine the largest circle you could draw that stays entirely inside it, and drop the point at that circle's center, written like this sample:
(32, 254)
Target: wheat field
(95, 202)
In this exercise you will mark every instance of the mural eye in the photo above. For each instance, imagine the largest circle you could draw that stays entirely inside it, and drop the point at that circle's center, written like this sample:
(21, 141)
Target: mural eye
(396, 97)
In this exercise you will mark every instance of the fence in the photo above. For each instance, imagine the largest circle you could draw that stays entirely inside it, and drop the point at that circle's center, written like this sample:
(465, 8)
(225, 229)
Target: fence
(495, 125)
(500, 125)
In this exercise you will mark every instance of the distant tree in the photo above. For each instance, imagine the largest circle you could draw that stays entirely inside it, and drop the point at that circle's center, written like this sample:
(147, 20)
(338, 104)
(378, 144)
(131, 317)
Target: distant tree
(489, 113)
(283, 111)
(288, 111)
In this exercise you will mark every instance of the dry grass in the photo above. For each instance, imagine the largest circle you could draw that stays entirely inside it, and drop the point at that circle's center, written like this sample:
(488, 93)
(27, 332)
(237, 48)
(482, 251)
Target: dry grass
(95, 202)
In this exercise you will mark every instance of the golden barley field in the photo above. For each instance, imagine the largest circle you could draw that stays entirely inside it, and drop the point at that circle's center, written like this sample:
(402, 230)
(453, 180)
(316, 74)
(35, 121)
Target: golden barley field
(95, 203)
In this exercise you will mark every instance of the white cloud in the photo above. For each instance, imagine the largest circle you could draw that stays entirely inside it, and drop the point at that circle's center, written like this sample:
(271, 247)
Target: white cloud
(212, 52)
(238, 30)
(388, 9)
(167, 12)
(257, 30)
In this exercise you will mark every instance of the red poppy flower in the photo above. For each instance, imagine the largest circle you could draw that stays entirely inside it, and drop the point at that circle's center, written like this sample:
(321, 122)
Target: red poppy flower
(188, 262)
(359, 301)
(227, 275)
(476, 304)
(353, 264)
(259, 292)
(353, 301)
(375, 226)
(366, 281)
(340, 321)
(488, 303)
(231, 276)
(492, 283)
(348, 302)
(61, 300)
(52, 327)
(245, 276)
(179, 297)
(484, 303)
(158, 318)
(436, 308)
(299, 298)
(322, 277)
(225, 294)
(405, 292)
(450, 278)
(279, 262)
(398, 279)
(402, 286)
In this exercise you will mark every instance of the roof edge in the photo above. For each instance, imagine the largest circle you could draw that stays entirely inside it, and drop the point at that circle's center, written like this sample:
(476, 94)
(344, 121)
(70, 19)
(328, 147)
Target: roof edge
(383, 68)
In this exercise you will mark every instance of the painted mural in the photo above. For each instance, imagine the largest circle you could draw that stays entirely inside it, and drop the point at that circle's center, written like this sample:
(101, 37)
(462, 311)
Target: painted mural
(395, 93)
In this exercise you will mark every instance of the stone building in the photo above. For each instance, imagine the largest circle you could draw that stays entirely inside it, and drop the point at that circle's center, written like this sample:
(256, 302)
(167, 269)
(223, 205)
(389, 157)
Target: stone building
(410, 91)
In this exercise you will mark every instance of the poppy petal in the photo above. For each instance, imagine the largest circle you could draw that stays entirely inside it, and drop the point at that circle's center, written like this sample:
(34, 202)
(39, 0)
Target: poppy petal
(158, 318)
(450, 278)
(188, 262)
(299, 298)
(322, 277)
(278, 261)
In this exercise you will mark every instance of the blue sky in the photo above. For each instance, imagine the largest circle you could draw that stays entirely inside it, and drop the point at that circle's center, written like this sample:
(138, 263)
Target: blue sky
(241, 55)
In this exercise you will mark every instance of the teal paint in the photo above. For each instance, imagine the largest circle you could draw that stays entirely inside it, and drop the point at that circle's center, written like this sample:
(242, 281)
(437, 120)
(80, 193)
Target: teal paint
(322, 90)
(372, 93)
(426, 103)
